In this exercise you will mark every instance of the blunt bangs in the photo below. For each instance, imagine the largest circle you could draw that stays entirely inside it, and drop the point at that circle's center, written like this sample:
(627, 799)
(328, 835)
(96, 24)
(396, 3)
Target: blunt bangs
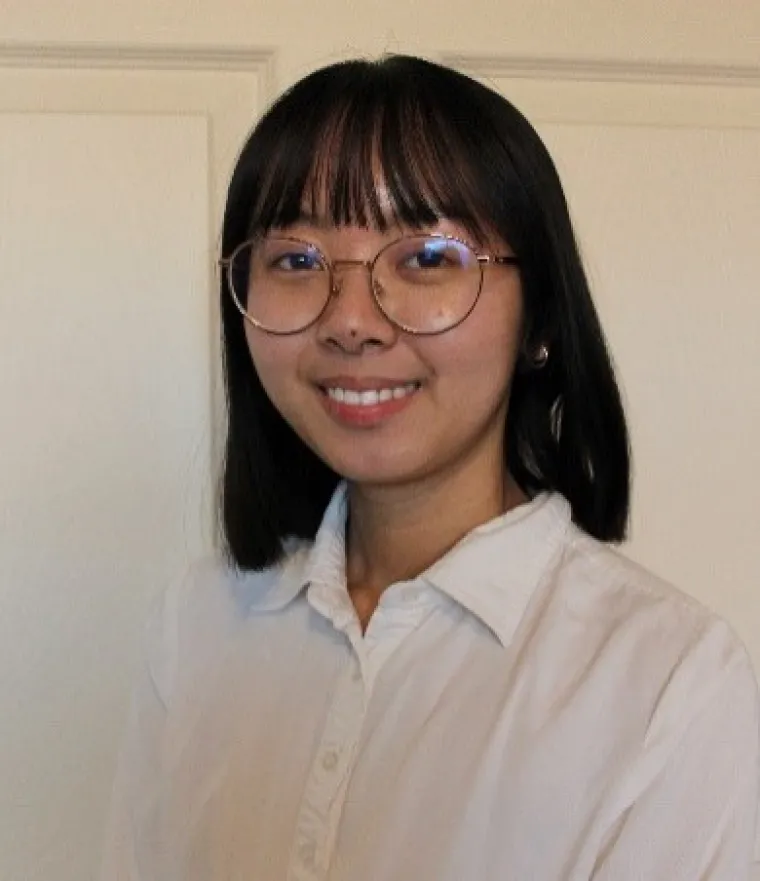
(378, 145)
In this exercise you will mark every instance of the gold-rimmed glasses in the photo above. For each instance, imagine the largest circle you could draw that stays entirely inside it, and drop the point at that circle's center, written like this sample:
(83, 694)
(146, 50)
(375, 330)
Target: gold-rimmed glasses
(423, 284)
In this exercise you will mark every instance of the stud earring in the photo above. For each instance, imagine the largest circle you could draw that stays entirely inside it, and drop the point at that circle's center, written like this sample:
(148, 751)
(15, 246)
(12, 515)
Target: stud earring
(541, 357)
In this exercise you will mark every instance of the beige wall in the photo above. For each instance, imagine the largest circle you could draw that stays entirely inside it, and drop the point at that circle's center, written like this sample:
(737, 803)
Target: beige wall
(704, 31)
(134, 112)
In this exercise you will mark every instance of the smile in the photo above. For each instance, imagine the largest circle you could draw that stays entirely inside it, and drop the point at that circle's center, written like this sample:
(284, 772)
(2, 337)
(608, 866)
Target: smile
(371, 397)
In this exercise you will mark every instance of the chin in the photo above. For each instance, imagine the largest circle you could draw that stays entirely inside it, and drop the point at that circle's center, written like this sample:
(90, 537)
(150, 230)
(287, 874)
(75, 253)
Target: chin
(379, 470)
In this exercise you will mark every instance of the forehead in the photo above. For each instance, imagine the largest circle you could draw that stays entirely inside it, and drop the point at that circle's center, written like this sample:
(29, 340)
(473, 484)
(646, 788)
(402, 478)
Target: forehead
(374, 205)
(316, 218)
(370, 180)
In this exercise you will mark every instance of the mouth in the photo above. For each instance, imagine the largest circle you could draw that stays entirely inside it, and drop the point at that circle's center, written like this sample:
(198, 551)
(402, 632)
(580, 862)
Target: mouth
(367, 407)
(369, 397)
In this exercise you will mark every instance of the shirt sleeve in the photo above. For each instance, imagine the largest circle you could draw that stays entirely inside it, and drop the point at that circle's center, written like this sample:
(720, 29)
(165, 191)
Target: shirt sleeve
(132, 849)
(695, 817)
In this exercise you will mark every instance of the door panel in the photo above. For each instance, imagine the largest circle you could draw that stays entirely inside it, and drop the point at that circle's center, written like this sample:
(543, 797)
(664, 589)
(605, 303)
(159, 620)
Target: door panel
(113, 166)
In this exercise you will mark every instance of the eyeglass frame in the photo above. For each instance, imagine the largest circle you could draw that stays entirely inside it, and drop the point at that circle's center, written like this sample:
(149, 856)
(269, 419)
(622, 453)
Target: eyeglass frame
(225, 263)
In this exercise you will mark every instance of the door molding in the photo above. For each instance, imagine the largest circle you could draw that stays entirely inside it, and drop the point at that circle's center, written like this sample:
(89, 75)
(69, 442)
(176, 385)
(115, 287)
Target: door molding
(605, 70)
(166, 57)
(262, 61)
(131, 56)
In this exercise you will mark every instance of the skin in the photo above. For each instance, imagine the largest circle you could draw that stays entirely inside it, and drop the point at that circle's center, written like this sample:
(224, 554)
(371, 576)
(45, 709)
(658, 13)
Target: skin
(431, 473)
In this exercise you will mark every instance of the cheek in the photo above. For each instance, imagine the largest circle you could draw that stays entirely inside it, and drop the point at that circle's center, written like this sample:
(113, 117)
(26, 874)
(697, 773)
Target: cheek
(480, 359)
(275, 360)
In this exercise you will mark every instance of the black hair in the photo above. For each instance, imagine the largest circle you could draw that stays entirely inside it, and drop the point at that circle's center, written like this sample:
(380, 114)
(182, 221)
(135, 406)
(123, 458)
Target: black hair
(444, 145)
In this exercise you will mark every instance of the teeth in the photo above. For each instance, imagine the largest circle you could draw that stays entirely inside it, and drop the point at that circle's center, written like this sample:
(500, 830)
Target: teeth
(371, 398)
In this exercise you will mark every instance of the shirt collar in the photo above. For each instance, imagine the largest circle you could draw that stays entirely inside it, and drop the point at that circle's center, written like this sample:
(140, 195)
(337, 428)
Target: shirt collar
(321, 561)
(492, 572)
(496, 568)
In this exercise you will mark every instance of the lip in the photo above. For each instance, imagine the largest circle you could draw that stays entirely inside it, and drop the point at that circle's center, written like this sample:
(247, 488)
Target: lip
(362, 416)
(362, 384)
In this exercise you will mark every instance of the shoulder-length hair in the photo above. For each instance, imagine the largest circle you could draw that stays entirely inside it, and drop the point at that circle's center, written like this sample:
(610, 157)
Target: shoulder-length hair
(443, 145)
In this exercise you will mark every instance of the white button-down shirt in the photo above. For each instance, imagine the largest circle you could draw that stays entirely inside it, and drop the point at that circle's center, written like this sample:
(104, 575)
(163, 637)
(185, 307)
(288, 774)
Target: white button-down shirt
(533, 707)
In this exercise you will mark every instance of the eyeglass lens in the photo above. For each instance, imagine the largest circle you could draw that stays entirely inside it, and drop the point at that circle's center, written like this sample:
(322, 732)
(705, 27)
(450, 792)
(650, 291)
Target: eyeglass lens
(423, 284)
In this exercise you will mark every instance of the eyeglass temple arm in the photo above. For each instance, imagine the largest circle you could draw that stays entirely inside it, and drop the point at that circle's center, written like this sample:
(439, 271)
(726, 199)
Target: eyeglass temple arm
(501, 260)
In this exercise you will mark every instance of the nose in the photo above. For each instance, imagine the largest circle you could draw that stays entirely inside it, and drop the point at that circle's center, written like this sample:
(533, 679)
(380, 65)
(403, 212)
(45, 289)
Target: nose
(352, 320)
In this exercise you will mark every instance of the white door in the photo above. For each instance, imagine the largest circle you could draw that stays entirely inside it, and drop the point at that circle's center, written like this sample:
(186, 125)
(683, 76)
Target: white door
(112, 170)
(109, 199)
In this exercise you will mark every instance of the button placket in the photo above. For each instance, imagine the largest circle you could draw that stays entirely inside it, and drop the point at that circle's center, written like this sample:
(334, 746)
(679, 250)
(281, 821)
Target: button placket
(399, 614)
(307, 852)
(324, 795)
(330, 759)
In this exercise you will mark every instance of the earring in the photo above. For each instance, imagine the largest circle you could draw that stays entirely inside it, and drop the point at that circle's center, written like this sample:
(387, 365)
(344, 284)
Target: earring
(541, 357)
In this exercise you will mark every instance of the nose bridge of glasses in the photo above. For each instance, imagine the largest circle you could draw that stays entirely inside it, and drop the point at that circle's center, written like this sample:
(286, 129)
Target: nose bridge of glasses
(336, 265)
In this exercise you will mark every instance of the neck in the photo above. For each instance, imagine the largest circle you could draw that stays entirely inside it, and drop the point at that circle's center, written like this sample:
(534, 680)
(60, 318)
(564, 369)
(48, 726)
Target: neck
(396, 532)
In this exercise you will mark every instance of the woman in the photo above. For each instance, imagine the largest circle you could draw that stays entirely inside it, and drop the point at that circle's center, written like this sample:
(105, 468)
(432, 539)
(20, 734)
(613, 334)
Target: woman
(421, 658)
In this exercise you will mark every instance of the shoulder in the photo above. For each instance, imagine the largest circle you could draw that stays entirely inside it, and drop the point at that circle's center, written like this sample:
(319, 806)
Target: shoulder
(673, 675)
(651, 634)
(197, 613)
(211, 588)
(597, 578)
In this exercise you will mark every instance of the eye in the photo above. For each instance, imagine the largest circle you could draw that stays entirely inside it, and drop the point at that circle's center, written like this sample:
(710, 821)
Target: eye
(432, 255)
(296, 261)
(427, 255)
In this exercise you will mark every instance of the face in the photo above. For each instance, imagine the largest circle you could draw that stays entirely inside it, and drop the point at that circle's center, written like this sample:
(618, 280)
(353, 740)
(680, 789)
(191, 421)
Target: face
(458, 406)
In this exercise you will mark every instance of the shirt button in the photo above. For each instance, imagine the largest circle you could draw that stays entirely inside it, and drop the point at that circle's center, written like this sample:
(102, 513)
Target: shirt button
(330, 760)
(356, 676)
(307, 852)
